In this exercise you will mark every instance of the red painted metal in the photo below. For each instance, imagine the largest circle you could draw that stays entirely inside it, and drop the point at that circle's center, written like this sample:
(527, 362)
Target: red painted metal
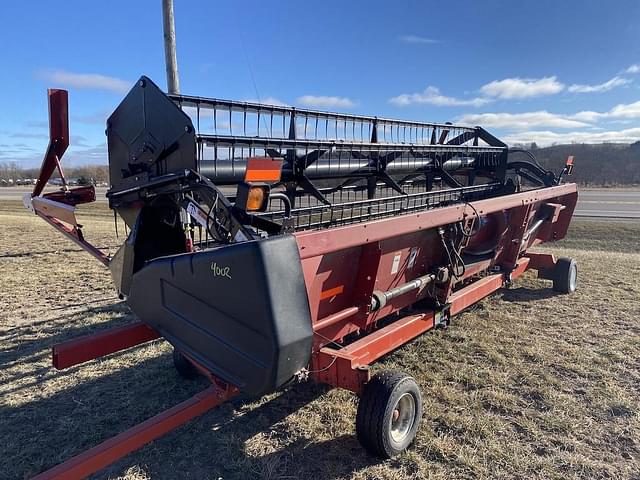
(479, 289)
(336, 317)
(518, 222)
(541, 261)
(314, 243)
(73, 196)
(544, 263)
(375, 256)
(56, 207)
(373, 346)
(90, 347)
(343, 367)
(115, 448)
(489, 230)
(75, 235)
(58, 138)
(52, 209)
(337, 371)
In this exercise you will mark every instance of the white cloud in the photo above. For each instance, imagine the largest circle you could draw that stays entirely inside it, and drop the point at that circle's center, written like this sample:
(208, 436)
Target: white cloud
(521, 121)
(417, 39)
(531, 120)
(513, 88)
(635, 68)
(92, 81)
(625, 110)
(544, 138)
(325, 102)
(601, 87)
(527, 120)
(431, 95)
(522, 87)
(619, 112)
(587, 116)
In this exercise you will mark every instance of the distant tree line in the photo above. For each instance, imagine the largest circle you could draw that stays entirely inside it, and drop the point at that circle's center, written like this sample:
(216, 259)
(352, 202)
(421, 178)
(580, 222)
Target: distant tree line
(12, 173)
(604, 164)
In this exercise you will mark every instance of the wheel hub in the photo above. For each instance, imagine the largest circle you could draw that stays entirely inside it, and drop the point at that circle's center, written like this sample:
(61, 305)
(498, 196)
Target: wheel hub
(403, 417)
(573, 277)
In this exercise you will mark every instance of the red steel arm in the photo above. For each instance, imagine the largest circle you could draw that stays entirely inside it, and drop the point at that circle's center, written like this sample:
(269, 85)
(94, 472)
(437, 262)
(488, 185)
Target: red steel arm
(113, 449)
(90, 347)
(58, 208)
(58, 137)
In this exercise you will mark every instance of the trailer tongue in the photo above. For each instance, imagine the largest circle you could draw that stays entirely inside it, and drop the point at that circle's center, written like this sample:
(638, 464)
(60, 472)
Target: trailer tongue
(270, 244)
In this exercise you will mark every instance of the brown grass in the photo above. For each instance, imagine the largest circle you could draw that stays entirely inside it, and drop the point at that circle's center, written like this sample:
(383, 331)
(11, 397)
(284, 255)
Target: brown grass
(527, 384)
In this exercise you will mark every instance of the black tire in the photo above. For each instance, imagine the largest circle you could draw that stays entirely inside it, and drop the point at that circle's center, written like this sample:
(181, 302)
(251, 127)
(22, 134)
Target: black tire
(184, 367)
(565, 275)
(389, 413)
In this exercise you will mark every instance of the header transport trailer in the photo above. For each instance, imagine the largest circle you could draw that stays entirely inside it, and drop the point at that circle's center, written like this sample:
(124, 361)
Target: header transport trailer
(271, 244)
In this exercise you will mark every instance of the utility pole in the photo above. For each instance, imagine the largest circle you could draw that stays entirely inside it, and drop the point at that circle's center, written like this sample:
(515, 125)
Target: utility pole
(173, 82)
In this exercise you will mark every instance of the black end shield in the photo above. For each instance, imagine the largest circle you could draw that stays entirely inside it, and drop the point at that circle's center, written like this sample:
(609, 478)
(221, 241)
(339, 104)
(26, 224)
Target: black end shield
(240, 310)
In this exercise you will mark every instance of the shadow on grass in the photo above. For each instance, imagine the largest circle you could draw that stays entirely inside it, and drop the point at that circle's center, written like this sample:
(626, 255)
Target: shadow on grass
(44, 430)
(33, 253)
(61, 328)
(48, 431)
(40, 430)
(16, 351)
(523, 294)
(336, 458)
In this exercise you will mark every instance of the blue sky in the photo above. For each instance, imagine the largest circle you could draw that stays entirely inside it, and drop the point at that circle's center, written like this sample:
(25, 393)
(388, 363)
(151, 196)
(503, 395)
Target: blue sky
(544, 71)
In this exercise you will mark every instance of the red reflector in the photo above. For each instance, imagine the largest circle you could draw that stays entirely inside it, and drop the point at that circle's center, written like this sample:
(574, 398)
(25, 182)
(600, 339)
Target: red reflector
(263, 169)
(570, 160)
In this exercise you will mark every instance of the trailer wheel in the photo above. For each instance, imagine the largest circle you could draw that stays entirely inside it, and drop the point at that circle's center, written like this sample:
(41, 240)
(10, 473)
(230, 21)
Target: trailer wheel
(565, 275)
(389, 413)
(184, 367)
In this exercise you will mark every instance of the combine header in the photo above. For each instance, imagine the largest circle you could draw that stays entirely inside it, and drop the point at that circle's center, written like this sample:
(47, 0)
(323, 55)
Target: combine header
(271, 244)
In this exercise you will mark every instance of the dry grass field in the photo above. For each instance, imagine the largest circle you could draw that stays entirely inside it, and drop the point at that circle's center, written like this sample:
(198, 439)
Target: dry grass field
(527, 384)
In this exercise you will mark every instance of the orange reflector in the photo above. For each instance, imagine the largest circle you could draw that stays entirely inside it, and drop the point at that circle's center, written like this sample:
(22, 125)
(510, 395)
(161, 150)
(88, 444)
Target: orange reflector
(263, 169)
(332, 292)
(569, 165)
(256, 199)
